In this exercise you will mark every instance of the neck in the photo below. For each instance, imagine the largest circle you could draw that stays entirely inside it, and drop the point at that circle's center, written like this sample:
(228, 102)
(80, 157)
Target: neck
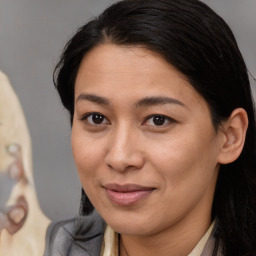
(178, 241)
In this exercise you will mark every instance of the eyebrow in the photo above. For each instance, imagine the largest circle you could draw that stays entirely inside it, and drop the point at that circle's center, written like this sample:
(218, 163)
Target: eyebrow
(153, 101)
(93, 98)
(145, 102)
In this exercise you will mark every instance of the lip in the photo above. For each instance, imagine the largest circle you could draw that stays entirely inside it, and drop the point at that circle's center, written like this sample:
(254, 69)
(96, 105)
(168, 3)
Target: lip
(127, 194)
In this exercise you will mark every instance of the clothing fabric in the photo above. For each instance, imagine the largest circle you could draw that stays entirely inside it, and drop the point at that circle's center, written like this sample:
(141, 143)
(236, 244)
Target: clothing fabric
(197, 251)
(89, 236)
(110, 244)
(82, 236)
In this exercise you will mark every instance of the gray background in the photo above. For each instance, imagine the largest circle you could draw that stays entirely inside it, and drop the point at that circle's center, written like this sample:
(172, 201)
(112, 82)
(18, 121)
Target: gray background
(32, 35)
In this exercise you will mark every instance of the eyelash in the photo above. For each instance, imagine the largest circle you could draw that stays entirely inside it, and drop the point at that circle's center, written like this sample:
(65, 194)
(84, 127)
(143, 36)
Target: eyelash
(167, 120)
(161, 118)
(86, 117)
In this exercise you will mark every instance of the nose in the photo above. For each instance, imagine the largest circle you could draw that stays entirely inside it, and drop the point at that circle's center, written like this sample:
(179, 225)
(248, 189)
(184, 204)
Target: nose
(124, 150)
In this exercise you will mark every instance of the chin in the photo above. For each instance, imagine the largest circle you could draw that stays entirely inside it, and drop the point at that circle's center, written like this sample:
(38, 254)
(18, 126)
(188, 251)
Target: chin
(131, 225)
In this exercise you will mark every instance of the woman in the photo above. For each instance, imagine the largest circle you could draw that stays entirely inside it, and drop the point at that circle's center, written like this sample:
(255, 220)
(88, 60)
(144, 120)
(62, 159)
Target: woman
(163, 134)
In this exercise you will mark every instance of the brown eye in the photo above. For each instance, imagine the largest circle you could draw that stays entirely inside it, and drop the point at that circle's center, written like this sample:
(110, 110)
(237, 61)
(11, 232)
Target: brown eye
(158, 120)
(95, 119)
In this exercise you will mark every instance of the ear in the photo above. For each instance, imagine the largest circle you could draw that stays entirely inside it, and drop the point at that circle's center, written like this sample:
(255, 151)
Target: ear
(234, 132)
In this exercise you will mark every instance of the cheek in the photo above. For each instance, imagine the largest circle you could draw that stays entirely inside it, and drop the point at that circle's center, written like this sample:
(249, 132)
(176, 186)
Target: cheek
(186, 158)
(88, 155)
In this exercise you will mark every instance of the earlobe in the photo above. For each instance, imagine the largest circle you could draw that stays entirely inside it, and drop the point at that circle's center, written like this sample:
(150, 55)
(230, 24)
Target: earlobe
(234, 132)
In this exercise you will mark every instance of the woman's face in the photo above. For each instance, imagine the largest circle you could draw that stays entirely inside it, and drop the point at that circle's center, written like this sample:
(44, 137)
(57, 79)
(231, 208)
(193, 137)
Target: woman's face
(143, 142)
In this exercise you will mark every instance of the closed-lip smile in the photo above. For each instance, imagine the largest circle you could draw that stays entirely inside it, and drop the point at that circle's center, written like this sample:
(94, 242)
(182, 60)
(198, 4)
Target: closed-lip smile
(127, 194)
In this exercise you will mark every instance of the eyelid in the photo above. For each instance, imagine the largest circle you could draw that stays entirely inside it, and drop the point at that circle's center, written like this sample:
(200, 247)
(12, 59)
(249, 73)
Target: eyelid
(169, 119)
(85, 117)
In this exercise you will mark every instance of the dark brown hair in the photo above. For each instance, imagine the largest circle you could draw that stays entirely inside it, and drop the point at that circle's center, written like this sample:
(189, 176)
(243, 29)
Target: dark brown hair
(195, 40)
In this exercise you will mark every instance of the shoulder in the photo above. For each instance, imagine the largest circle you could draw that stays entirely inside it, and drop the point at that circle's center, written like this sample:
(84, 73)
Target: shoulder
(75, 237)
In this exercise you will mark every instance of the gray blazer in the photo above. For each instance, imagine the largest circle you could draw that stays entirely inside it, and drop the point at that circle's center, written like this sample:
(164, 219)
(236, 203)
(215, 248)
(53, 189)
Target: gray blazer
(80, 236)
(83, 236)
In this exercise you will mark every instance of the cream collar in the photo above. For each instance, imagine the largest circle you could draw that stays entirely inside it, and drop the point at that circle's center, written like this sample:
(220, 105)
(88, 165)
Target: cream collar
(110, 246)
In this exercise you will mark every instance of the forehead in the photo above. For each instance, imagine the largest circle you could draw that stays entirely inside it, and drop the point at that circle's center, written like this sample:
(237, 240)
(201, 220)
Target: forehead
(114, 71)
(124, 59)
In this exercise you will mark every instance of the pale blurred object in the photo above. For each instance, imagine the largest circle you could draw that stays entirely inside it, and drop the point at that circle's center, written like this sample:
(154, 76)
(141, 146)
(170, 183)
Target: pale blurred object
(22, 223)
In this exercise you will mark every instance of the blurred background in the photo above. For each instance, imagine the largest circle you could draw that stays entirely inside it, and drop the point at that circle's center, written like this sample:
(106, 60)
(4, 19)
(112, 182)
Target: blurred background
(32, 36)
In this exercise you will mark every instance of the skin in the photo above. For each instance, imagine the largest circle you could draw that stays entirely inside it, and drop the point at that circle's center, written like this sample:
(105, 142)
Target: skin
(178, 159)
(22, 223)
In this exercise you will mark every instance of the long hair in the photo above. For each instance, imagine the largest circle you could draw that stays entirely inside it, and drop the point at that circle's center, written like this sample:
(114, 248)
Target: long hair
(199, 44)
